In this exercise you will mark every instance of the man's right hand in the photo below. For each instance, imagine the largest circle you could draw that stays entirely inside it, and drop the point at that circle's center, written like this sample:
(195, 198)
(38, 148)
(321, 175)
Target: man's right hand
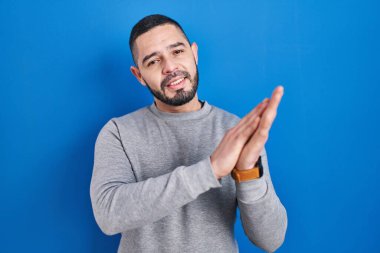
(227, 153)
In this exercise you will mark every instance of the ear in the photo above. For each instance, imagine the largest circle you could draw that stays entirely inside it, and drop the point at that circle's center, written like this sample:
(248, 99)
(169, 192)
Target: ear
(194, 48)
(136, 72)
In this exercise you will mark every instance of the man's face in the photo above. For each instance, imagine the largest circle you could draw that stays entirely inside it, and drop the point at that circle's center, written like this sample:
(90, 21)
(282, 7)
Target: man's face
(167, 64)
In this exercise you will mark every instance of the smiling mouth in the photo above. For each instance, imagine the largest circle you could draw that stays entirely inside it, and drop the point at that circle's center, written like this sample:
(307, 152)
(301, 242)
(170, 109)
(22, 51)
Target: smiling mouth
(177, 83)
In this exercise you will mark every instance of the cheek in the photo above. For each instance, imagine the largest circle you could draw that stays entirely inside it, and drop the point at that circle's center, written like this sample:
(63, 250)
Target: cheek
(192, 68)
(152, 78)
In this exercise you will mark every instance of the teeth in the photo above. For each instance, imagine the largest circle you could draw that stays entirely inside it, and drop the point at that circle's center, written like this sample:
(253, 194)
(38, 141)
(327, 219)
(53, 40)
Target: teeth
(176, 82)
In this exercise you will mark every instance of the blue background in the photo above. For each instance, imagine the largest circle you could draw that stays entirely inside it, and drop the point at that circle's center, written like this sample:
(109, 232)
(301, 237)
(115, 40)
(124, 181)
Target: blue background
(64, 71)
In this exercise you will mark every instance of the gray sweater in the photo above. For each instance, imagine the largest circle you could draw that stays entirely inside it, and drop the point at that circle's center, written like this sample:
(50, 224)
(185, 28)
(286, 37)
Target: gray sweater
(153, 183)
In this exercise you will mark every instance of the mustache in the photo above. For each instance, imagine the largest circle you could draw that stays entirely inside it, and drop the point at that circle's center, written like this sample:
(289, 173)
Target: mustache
(173, 75)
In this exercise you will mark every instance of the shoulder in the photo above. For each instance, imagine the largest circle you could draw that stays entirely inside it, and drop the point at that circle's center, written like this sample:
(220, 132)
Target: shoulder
(131, 120)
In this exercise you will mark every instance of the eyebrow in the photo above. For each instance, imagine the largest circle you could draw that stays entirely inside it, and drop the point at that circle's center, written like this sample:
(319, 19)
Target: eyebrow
(156, 52)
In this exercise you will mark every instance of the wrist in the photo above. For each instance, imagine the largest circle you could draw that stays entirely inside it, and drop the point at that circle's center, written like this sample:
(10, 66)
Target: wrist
(247, 166)
(254, 172)
(215, 170)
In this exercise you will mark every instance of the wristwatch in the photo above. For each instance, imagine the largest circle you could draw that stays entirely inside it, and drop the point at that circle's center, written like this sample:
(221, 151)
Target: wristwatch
(246, 175)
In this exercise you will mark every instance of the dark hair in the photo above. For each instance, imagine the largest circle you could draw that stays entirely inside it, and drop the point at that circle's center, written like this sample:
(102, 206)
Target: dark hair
(148, 23)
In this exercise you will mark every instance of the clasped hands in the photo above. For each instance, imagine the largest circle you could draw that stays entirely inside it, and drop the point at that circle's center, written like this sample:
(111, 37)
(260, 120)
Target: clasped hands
(241, 145)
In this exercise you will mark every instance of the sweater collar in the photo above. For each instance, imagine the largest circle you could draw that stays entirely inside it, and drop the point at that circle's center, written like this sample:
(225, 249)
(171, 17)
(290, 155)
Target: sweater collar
(204, 111)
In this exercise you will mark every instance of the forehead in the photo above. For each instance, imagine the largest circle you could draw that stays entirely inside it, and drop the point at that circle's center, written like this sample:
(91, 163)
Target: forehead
(158, 38)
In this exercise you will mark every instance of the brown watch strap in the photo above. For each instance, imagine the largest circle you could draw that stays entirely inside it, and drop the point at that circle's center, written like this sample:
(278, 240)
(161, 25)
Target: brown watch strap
(246, 175)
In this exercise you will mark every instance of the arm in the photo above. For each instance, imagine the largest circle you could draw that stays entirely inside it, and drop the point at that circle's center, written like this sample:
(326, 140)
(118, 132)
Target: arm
(120, 203)
(263, 216)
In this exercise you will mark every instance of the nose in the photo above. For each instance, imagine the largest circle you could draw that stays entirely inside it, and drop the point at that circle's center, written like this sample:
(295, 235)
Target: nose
(169, 66)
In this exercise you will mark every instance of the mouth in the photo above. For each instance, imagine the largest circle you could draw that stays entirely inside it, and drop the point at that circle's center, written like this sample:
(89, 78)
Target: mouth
(177, 84)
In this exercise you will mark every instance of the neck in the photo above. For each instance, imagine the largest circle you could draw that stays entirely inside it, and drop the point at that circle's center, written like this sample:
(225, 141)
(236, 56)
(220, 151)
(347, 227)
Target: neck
(192, 105)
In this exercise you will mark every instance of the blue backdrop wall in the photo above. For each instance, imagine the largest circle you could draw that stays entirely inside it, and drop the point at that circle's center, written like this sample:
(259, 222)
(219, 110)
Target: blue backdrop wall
(64, 71)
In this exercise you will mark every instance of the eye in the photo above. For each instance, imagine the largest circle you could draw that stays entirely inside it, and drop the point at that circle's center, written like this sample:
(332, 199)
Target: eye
(153, 62)
(178, 51)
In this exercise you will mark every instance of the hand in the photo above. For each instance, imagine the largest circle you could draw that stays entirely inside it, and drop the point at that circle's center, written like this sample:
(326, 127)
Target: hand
(251, 151)
(227, 153)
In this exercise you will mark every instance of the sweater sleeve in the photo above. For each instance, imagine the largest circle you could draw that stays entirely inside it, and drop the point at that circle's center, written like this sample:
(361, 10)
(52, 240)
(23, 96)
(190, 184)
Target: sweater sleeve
(263, 216)
(120, 203)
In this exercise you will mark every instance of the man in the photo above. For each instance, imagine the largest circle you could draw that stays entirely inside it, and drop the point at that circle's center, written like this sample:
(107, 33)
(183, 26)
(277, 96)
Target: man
(162, 174)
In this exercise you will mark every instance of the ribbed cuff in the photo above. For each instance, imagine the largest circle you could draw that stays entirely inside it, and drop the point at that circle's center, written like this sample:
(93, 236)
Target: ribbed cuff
(250, 191)
(200, 177)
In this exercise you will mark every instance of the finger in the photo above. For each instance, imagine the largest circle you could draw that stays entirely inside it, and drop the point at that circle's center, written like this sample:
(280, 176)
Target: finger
(252, 114)
(258, 112)
(277, 94)
(257, 142)
(259, 138)
(249, 126)
(269, 110)
(272, 103)
(270, 113)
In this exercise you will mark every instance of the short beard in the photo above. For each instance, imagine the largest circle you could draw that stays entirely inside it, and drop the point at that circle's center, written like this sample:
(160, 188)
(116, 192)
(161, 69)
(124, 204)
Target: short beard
(182, 97)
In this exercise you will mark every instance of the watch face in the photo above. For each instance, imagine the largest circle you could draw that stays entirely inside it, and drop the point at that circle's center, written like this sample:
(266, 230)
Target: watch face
(233, 174)
(260, 165)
